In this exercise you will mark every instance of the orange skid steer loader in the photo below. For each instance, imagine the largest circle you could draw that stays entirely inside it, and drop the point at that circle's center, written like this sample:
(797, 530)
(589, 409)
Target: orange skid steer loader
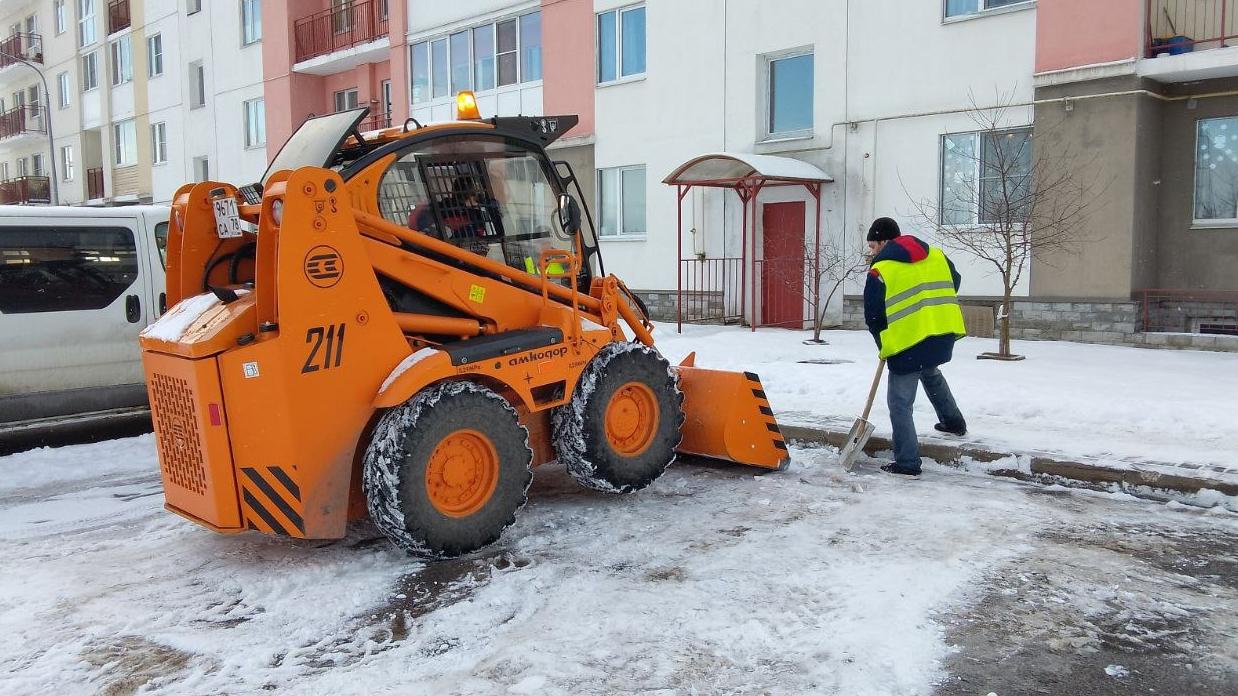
(402, 324)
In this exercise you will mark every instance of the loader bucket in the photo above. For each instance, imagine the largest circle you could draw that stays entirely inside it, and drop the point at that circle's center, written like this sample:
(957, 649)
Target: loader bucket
(727, 416)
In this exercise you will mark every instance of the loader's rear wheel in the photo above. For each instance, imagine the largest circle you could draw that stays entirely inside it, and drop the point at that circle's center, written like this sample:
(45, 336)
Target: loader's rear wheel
(446, 472)
(619, 431)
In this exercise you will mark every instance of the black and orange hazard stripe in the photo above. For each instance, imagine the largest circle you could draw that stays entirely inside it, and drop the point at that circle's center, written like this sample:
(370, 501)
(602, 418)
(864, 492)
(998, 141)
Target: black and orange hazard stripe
(771, 423)
(272, 501)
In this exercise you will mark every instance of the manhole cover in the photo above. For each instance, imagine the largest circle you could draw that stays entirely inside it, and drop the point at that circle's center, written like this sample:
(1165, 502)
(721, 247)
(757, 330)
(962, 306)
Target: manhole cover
(825, 361)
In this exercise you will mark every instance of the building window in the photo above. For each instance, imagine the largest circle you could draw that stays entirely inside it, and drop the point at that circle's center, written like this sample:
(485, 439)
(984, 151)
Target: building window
(201, 169)
(4, 171)
(125, 143)
(461, 62)
(154, 55)
(790, 96)
(251, 22)
(483, 57)
(197, 85)
(85, 22)
(122, 61)
(962, 8)
(621, 201)
(62, 88)
(159, 143)
(90, 71)
(36, 164)
(59, 16)
(66, 163)
(531, 47)
(22, 167)
(255, 123)
(346, 99)
(985, 177)
(1216, 170)
(621, 44)
(193, 6)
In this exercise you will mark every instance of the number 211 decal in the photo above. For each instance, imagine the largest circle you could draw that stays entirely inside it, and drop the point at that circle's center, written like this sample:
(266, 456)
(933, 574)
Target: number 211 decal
(333, 336)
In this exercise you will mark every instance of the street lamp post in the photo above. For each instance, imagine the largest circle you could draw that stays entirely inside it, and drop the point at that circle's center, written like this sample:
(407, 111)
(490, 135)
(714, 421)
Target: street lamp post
(47, 116)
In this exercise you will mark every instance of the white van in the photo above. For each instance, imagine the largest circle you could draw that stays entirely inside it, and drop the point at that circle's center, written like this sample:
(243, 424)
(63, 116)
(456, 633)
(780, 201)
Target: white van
(76, 286)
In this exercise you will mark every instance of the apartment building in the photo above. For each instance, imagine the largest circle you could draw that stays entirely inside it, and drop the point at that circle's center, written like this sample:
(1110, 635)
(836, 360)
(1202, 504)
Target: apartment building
(880, 98)
(25, 149)
(144, 96)
(1149, 88)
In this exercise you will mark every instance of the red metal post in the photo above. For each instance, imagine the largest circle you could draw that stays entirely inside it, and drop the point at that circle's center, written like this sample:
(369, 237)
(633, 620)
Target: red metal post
(679, 189)
(743, 243)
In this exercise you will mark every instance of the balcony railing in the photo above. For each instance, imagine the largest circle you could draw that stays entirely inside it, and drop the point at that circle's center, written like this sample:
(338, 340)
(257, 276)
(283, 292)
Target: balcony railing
(343, 26)
(117, 16)
(1184, 26)
(94, 183)
(25, 190)
(21, 45)
(21, 120)
(375, 122)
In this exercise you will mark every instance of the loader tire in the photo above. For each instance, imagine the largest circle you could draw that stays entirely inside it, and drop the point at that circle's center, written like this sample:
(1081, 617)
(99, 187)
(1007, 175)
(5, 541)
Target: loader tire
(620, 429)
(446, 472)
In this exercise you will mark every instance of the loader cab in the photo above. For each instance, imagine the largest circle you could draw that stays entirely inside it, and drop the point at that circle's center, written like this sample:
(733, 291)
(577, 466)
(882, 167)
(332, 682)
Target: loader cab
(485, 186)
(488, 192)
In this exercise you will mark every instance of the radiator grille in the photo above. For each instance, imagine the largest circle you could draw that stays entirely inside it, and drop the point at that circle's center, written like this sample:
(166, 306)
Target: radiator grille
(180, 445)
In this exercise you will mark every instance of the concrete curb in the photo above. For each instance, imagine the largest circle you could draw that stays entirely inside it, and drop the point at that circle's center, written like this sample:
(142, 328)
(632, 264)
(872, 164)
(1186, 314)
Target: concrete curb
(1042, 468)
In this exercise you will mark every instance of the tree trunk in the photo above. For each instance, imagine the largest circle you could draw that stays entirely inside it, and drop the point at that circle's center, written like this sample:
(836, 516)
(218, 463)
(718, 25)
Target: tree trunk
(1003, 344)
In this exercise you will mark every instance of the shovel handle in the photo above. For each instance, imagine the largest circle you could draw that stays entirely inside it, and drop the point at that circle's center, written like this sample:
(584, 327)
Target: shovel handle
(872, 393)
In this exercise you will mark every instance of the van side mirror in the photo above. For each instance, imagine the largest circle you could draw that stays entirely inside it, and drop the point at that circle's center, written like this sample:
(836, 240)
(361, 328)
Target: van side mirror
(569, 214)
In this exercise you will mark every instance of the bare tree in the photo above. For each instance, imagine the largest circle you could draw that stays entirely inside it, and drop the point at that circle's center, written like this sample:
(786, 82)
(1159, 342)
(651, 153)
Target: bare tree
(1008, 196)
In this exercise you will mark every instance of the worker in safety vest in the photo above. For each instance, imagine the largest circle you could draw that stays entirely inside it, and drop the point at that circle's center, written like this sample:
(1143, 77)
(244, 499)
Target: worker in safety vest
(911, 307)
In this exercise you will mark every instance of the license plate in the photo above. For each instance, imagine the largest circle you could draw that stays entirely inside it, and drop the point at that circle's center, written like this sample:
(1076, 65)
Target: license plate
(227, 218)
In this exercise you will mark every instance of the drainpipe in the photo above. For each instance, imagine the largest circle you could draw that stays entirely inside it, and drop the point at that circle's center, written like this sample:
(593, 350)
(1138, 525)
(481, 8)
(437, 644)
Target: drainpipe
(47, 115)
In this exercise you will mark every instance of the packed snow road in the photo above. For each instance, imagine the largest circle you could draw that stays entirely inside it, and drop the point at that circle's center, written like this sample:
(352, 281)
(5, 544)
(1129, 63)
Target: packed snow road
(713, 581)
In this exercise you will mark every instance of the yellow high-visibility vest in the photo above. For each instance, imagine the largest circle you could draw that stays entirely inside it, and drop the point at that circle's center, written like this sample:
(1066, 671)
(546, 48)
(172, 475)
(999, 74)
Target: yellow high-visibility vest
(920, 302)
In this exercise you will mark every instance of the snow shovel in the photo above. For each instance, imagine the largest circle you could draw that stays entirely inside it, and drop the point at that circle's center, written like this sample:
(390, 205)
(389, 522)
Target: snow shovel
(861, 430)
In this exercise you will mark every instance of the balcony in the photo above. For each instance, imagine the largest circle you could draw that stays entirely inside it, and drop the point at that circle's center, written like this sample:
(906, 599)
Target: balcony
(94, 183)
(21, 122)
(117, 16)
(21, 46)
(26, 190)
(1190, 40)
(340, 38)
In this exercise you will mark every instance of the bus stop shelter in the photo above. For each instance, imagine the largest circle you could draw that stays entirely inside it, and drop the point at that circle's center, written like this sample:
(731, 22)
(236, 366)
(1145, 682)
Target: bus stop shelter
(701, 281)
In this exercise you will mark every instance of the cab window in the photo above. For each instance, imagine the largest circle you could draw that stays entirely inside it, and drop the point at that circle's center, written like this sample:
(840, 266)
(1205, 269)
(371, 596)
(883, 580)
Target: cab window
(161, 241)
(489, 195)
(60, 269)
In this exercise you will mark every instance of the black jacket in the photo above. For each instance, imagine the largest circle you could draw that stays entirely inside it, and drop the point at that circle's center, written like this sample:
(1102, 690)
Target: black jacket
(932, 351)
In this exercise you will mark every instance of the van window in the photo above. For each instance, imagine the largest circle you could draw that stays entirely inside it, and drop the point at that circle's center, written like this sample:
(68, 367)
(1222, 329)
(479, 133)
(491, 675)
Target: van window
(161, 241)
(61, 269)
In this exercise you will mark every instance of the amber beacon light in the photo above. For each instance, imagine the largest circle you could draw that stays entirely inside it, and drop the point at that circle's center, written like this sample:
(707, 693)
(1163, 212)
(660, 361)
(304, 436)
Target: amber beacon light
(466, 106)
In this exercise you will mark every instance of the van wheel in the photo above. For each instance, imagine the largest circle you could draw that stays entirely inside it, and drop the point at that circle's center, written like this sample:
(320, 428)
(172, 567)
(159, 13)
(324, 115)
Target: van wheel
(446, 471)
(620, 430)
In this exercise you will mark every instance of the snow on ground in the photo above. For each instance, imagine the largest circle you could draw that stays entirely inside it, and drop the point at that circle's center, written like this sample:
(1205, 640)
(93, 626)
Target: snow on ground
(1111, 403)
(712, 581)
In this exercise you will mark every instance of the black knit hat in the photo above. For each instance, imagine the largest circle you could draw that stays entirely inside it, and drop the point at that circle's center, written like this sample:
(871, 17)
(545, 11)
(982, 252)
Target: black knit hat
(883, 230)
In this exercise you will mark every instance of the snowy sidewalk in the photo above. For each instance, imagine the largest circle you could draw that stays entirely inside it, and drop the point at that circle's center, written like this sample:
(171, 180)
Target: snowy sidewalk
(1150, 413)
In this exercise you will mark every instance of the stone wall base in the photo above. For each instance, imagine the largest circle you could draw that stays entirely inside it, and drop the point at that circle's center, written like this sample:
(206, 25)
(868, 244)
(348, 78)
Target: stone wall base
(1112, 323)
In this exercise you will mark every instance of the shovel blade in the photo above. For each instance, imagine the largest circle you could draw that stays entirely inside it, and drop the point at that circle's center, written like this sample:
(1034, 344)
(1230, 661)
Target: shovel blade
(858, 436)
(727, 416)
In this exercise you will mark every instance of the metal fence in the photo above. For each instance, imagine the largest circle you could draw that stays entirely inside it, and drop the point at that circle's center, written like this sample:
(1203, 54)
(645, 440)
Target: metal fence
(27, 118)
(711, 290)
(1190, 311)
(342, 26)
(25, 46)
(26, 190)
(1183, 26)
(117, 15)
(94, 183)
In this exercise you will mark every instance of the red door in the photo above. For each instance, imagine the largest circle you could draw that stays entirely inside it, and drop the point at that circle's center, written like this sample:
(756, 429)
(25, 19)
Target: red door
(782, 271)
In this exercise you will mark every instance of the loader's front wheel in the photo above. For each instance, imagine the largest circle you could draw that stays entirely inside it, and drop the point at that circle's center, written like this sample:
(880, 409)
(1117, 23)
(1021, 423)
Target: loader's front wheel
(619, 431)
(446, 472)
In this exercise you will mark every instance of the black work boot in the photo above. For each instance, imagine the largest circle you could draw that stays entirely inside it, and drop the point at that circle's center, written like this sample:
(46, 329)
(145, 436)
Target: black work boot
(958, 430)
(901, 470)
